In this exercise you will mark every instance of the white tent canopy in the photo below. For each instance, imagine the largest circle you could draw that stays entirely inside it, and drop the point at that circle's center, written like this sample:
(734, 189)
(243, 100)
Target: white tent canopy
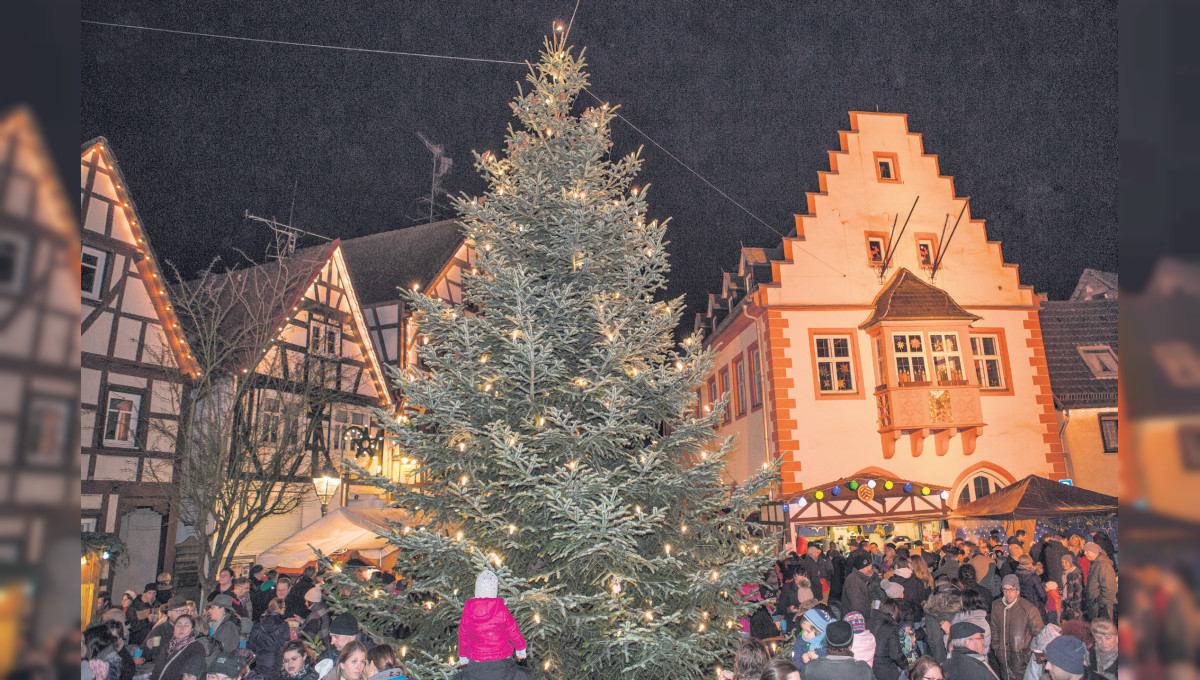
(342, 529)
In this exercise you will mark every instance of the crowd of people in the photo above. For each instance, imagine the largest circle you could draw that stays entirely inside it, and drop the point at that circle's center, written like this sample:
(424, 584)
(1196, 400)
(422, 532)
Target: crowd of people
(982, 609)
(271, 626)
(988, 608)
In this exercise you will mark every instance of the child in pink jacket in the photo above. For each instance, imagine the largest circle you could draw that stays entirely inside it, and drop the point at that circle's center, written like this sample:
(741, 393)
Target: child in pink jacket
(863, 645)
(487, 631)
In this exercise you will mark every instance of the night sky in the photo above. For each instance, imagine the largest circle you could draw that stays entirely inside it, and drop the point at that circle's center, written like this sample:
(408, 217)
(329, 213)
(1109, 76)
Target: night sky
(1018, 100)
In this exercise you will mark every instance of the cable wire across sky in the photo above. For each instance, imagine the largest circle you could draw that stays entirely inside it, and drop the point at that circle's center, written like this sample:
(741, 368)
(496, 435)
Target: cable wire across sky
(368, 50)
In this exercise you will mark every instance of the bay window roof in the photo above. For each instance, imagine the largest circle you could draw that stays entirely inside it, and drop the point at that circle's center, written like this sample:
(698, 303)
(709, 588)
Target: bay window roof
(907, 298)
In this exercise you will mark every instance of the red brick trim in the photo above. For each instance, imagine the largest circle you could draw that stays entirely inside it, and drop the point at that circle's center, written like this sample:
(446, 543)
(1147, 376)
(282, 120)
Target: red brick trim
(1041, 386)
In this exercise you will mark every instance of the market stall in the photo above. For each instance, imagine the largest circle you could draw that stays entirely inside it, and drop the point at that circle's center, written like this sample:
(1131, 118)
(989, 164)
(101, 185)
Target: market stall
(341, 531)
(866, 505)
(1022, 504)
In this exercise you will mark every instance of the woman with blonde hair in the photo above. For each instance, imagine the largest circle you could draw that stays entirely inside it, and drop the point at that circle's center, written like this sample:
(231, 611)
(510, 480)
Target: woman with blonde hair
(921, 571)
(352, 663)
(1103, 653)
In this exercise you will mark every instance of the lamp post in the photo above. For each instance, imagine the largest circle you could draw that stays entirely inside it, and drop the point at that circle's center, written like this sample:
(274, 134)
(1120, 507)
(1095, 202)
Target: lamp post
(326, 483)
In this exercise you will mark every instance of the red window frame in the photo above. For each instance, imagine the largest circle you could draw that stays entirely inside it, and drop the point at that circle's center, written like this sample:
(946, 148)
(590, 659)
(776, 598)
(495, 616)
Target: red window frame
(756, 382)
(727, 415)
(739, 386)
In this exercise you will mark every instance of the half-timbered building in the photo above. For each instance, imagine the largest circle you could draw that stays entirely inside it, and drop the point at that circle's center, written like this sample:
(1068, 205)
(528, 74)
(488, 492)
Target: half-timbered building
(39, 350)
(885, 352)
(134, 358)
(308, 304)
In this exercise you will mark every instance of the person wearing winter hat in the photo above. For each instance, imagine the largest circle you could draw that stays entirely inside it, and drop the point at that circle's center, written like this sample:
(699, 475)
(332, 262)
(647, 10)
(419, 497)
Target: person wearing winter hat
(226, 667)
(968, 653)
(343, 630)
(810, 643)
(893, 590)
(1015, 622)
(856, 592)
(1066, 658)
(316, 624)
(1101, 582)
(839, 662)
(487, 632)
(863, 645)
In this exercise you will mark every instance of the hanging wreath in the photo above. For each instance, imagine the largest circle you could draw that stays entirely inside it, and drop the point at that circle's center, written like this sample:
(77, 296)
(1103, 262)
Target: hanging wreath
(107, 546)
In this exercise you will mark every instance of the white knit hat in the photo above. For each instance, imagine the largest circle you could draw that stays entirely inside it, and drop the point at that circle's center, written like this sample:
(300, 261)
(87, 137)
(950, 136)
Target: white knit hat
(486, 584)
(313, 595)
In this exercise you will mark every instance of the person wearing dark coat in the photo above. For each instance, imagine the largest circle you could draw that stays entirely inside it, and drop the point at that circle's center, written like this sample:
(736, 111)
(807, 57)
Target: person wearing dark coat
(296, 604)
(914, 588)
(837, 565)
(810, 566)
(968, 654)
(856, 594)
(267, 639)
(1032, 588)
(1051, 558)
(889, 659)
(941, 607)
(295, 662)
(223, 624)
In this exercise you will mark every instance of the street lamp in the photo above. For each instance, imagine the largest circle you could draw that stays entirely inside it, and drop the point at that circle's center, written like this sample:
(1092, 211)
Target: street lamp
(326, 484)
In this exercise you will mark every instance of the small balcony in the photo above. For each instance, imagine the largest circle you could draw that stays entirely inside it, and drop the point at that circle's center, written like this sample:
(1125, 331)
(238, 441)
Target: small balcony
(920, 410)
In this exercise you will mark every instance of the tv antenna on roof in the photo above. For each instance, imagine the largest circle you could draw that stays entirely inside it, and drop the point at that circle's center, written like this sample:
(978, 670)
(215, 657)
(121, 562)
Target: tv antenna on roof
(285, 236)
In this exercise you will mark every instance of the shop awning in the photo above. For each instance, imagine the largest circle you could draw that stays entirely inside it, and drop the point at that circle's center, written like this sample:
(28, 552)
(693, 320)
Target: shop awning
(1038, 498)
(341, 530)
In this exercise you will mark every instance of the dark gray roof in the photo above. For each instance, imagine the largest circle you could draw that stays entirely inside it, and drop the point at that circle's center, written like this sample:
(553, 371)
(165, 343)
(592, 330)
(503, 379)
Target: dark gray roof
(908, 297)
(1067, 326)
(381, 263)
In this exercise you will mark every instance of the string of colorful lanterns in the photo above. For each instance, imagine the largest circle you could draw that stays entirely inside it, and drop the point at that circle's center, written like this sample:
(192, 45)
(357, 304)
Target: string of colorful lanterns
(857, 486)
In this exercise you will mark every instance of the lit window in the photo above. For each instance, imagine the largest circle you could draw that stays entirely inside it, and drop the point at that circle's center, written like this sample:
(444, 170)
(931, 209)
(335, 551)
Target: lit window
(986, 349)
(1100, 359)
(835, 370)
(756, 386)
(12, 263)
(979, 486)
(46, 431)
(947, 358)
(91, 272)
(121, 420)
(739, 386)
(712, 393)
(1108, 431)
(727, 415)
(909, 349)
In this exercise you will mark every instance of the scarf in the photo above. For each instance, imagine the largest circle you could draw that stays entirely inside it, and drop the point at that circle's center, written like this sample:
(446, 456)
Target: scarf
(178, 644)
(99, 668)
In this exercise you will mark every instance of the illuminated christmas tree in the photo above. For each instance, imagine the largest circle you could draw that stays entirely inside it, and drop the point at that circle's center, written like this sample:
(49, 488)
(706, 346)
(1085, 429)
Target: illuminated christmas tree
(556, 426)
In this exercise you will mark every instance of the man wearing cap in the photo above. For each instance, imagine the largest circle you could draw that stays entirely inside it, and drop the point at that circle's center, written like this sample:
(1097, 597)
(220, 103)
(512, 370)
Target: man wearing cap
(162, 633)
(163, 590)
(227, 666)
(342, 631)
(810, 566)
(1101, 583)
(141, 609)
(223, 625)
(839, 662)
(968, 653)
(1015, 622)
(856, 593)
(1065, 660)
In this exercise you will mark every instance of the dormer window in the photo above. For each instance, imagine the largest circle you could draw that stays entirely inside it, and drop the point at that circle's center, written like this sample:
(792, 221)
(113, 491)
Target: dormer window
(324, 337)
(887, 167)
(1100, 359)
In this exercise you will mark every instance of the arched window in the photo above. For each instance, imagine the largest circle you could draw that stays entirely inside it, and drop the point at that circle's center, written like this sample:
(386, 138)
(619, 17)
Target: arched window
(979, 485)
